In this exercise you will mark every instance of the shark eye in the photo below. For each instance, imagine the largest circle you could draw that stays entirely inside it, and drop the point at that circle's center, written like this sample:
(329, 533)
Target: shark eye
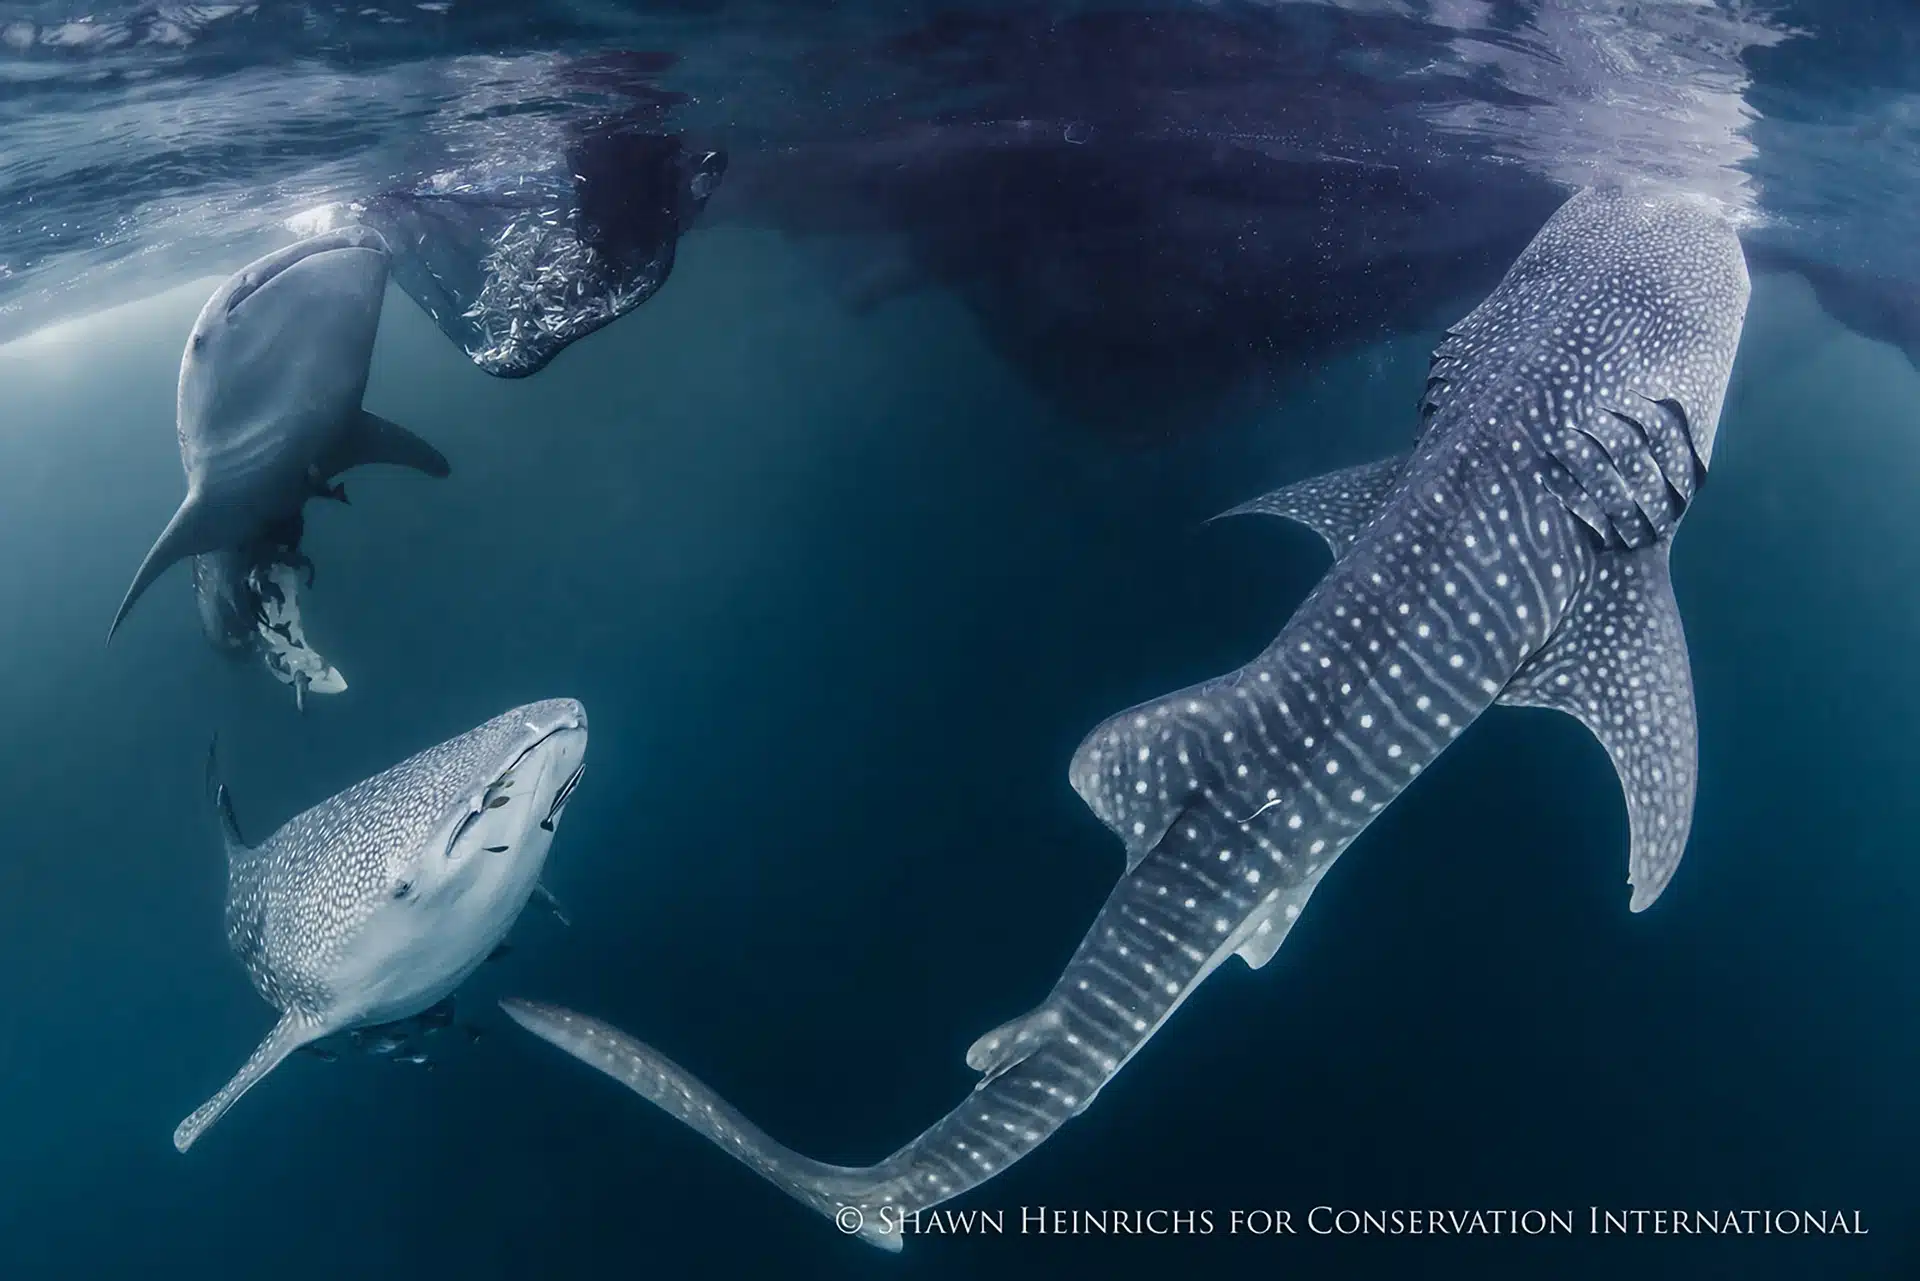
(403, 889)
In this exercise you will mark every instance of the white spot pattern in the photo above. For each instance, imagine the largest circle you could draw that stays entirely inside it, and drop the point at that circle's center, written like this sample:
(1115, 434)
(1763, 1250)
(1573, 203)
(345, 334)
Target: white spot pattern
(1491, 561)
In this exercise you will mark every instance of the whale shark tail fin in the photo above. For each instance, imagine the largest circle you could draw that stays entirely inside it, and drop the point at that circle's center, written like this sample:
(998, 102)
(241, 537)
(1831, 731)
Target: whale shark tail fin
(837, 1191)
(288, 1035)
(369, 438)
(189, 533)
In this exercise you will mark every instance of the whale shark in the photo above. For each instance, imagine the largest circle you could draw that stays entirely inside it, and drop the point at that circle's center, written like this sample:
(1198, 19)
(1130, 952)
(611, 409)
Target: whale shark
(268, 411)
(1517, 554)
(373, 906)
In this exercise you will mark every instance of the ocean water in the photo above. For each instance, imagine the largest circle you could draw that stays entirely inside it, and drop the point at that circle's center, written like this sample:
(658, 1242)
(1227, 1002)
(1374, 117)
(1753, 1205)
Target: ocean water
(843, 575)
(838, 626)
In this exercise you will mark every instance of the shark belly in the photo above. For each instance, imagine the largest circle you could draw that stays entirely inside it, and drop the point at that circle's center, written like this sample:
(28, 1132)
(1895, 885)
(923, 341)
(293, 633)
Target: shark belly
(403, 961)
(260, 465)
(403, 965)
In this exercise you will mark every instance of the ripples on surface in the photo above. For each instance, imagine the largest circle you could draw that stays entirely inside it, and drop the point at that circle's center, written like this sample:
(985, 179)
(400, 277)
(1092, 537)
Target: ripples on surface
(138, 127)
(1171, 194)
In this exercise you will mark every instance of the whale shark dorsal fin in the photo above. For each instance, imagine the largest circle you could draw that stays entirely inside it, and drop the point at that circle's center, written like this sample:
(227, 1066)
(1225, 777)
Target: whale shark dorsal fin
(1336, 506)
(288, 1035)
(369, 438)
(191, 532)
(1618, 664)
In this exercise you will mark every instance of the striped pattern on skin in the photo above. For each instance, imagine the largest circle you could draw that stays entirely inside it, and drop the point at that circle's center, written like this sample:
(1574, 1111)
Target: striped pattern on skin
(1517, 554)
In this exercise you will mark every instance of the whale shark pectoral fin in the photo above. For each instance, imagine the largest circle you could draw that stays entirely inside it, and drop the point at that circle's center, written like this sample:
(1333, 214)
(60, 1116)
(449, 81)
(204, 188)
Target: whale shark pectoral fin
(191, 532)
(1618, 664)
(288, 1035)
(675, 1091)
(545, 895)
(223, 802)
(369, 438)
(1336, 506)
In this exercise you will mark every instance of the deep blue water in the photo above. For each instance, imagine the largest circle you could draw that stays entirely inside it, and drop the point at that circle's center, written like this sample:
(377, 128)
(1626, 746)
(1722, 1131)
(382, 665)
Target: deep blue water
(838, 627)
(842, 586)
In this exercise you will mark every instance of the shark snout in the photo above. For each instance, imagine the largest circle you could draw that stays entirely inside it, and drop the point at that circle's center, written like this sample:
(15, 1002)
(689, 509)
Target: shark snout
(554, 715)
(354, 259)
(559, 727)
(352, 237)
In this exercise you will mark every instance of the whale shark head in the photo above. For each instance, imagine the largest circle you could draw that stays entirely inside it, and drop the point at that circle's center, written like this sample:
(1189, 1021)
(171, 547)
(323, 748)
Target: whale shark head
(269, 401)
(294, 328)
(499, 805)
(450, 845)
(376, 904)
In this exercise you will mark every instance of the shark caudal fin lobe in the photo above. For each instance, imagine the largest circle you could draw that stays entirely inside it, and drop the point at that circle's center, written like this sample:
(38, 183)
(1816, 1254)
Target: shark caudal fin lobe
(1618, 664)
(369, 438)
(288, 1035)
(189, 533)
(829, 1189)
(1337, 506)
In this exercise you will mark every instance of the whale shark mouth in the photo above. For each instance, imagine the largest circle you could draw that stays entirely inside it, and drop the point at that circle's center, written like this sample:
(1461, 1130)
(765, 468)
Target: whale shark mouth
(345, 240)
(497, 792)
(560, 800)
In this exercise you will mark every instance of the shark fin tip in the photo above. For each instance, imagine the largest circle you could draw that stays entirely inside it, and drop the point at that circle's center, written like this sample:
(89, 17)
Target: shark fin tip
(1012, 1041)
(189, 533)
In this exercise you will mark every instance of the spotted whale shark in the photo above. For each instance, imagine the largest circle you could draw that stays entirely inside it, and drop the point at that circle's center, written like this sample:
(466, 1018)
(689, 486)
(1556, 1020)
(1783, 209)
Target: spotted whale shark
(1517, 554)
(374, 905)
